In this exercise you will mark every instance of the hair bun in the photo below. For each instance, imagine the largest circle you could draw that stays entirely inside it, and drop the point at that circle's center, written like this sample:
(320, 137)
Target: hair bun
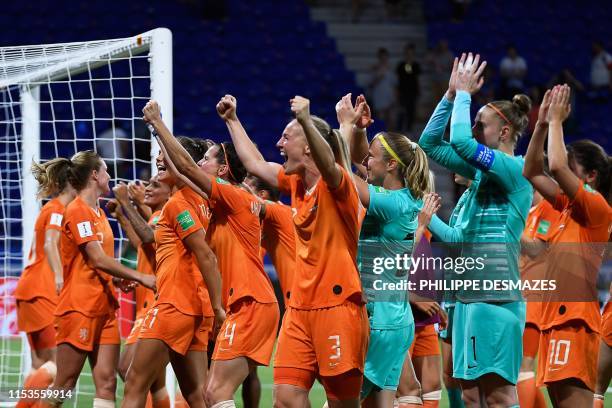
(522, 102)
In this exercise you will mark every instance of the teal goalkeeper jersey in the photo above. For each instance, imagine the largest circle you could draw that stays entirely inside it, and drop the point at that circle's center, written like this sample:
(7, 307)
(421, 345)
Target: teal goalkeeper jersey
(387, 232)
(494, 215)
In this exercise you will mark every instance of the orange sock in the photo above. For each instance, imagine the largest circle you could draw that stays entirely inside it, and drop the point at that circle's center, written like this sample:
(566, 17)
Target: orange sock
(526, 389)
(39, 379)
(431, 403)
(162, 403)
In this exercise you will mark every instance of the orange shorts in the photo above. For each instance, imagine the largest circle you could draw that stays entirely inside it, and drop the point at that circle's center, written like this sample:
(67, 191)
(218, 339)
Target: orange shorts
(85, 332)
(606, 324)
(43, 338)
(534, 313)
(425, 342)
(328, 341)
(181, 332)
(531, 340)
(35, 314)
(133, 336)
(568, 351)
(248, 331)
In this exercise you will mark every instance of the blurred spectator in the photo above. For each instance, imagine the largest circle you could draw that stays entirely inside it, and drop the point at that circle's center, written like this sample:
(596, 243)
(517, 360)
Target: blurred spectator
(601, 64)
(382, 87)
(408, 72)
(440, 64)
(512, 69)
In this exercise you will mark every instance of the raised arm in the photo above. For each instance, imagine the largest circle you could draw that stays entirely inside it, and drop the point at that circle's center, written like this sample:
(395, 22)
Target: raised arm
(116, 212)
(431, 140)
(136, 191)
(51, 248)
(140, 225)
(182, 160)
(557, 155)
(431, 205)
(248, 153)
(534, 158)
(321, 151)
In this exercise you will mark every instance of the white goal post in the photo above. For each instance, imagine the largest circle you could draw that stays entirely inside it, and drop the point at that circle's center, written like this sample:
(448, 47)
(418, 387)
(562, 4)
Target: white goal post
(56, 99)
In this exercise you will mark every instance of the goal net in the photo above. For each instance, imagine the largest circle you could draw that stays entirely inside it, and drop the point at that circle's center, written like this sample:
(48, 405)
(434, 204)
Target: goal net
(55, 100)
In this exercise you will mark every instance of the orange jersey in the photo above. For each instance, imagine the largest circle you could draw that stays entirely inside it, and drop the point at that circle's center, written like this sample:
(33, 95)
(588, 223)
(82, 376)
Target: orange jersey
(37, 279)
(575, 256)
(540, 221)
(278, 240)
(327, 223)
(235, 236)
(179, 280)
(146, 264)
(86, 290)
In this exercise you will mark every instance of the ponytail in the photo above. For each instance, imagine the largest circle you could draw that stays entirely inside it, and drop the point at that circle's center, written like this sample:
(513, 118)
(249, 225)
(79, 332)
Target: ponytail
(412, 162)
(51, 176)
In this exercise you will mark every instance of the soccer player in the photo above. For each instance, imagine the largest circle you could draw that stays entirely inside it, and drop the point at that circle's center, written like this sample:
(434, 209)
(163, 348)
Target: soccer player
(247, 337)
(86, 311)
(487, 325)
(540, 221)
(177, 326)
(325, 329)
(578, 188)
(155, 196)
(278, 233)
(397, 179)
(42, 279)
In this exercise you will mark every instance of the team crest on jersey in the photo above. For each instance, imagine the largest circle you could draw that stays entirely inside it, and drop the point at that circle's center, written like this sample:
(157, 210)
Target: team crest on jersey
(185, 221)
(543, 227)
(83, 334)
(155, 220)
(221, 181)
(85, 229)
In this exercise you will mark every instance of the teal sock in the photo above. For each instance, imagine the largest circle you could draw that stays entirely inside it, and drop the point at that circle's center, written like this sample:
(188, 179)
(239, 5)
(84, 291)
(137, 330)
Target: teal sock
(454, 398)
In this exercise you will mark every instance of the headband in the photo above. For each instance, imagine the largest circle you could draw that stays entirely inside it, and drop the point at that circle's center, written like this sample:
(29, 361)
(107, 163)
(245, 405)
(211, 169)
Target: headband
(501, 115)
(389, 149)
(229, 168)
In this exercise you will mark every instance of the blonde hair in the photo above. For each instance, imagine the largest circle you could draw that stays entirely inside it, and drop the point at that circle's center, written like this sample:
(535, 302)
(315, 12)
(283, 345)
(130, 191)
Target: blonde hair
(52, 176)
(514, 113)
(414, 166)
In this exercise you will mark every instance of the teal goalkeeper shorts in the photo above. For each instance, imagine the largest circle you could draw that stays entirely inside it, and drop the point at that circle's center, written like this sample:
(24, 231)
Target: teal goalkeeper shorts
(447, 333)
(488, 338)
(385, 358)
